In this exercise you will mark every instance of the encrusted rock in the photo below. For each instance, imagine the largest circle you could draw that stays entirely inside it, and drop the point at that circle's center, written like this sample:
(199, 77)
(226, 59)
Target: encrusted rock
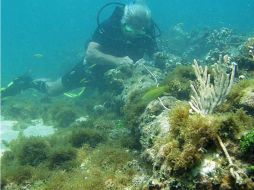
(247, 99)
(154, 121)
(141, 78)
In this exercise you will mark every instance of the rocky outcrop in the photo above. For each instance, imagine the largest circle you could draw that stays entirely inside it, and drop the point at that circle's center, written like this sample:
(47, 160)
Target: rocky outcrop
(247, 99)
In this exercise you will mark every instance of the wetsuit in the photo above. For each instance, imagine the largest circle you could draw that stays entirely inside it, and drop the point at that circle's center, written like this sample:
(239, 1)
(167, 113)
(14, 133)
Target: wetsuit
(112, 41)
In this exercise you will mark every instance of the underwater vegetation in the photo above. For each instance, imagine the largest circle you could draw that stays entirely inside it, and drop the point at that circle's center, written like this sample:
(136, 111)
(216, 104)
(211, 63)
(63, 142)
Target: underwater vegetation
(50, 160)
(177, 84)
(247, 144)
(82, 136)
(239, 97)
(61, 115)
(192, 138)
(33, 151)
(101, 169)
(23, 108)
(246, 58)
(100, 140)
(201, 140)
(178, 81)
(63, 157)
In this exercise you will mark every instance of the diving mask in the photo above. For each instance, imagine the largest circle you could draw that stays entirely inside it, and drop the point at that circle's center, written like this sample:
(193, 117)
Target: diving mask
(131, 31)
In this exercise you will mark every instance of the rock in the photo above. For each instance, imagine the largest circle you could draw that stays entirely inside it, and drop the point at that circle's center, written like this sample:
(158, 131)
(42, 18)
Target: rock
(208, 167)
(154, 124)
(247, 100)
(82, 119)
(98, 109)
(141, 78)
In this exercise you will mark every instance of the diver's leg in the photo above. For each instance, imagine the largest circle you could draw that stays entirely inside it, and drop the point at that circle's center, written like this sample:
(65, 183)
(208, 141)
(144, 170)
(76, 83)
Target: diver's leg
(79, 76)
(17, 85)
(23, 83)
(75, 78)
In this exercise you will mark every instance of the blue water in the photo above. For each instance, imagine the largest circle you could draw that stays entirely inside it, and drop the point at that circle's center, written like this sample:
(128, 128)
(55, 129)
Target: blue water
(59, 29)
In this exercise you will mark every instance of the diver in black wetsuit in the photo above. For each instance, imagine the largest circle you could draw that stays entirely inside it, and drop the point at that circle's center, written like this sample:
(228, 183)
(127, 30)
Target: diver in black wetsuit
(123, 38)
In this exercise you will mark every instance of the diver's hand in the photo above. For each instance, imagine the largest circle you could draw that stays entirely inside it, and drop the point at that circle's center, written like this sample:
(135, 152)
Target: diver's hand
(126, 61)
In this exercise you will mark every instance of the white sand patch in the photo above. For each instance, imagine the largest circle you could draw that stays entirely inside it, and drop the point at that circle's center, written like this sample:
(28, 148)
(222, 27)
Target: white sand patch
(38, 129)
(7, 132)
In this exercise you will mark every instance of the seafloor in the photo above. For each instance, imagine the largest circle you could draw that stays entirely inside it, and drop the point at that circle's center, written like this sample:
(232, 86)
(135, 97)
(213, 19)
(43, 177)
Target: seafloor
(158, 124)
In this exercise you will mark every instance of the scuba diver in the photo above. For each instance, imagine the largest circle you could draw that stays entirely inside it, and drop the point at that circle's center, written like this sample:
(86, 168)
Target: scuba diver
(125, 37)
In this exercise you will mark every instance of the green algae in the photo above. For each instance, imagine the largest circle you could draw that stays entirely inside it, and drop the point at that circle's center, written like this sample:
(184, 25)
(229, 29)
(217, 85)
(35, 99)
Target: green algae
(247, 144)
(81, 136)
(189, 134)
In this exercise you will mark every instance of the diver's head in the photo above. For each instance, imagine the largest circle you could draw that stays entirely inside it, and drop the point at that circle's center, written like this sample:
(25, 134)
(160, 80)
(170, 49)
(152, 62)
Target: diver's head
(136, 19)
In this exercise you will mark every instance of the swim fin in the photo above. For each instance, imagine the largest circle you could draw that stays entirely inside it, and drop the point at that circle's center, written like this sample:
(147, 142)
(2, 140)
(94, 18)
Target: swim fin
(16, 86)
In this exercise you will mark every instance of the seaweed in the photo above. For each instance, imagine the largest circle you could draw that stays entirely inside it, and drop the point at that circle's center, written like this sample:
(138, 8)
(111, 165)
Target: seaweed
(235, 96)
(17, 174)
(247, 144)
(177, 81)
(102, 167)
(81, 136)
(64, 117)
(32, 151)
(62, 157)
(190, 136)
(61, 114)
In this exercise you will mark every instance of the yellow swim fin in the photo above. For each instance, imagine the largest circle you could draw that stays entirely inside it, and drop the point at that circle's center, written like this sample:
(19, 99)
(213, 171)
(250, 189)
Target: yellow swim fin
(75, 93)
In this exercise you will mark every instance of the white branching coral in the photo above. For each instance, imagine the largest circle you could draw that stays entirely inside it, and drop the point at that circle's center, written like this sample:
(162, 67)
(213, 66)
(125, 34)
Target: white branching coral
(206, 96)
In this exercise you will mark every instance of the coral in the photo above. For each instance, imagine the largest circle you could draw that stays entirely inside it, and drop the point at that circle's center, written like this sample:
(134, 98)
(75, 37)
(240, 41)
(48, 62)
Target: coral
(180, 72)
(198, 42)
(191, 138)
(173, 144)
(7, 158)
(81, 136)
(207, 96)
(135, 106)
